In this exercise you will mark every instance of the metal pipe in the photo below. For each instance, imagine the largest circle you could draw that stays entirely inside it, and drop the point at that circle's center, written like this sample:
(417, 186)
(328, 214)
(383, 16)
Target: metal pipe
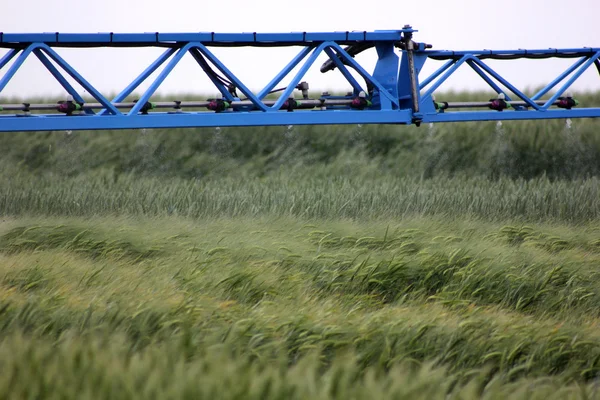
(412, 74)
(305, 104)
(486, 104)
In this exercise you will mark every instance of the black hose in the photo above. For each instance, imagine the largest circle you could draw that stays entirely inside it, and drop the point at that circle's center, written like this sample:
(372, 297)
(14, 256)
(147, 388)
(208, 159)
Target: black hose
(484, 56)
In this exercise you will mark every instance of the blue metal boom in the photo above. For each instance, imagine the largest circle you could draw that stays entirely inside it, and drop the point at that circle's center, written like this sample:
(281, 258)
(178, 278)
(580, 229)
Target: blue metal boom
(394, 93)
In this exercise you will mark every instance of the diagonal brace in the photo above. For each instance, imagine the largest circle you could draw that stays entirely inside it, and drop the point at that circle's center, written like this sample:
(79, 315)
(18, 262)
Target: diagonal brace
(558, 79)
(366, 76)
(294, 82)
(283, 73)
(160, 78)
(437, 73)
(7, 57)
(487, 79)
(225, 71)
(449, 71)
(503, 81)
(142, 77)
(59, 77)
(79, 79)
(17, 64)
(202, 63)
(340, 65)
(572, 79)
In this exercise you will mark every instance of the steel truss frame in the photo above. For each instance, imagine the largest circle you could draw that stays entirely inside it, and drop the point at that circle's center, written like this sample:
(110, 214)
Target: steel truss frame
(393, 93)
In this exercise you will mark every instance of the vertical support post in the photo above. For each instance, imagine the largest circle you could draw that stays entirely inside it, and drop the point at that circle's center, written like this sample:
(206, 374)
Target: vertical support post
(386, 72)
(410, 47)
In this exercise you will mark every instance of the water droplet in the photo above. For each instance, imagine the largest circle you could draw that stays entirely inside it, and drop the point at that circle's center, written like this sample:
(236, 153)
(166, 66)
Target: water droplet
(289, 132)
(359, 129)
(499, 129)
(568, 124)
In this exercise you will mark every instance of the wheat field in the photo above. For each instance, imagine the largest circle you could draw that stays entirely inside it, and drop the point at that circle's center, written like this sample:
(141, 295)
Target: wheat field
(450, 262)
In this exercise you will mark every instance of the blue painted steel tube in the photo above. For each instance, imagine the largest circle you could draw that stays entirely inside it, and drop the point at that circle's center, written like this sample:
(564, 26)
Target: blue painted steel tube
(503, 81)
(160, 78)
(205, 119)
(388, 80)
(7, 57)
(284, 72)
(116, 39)
(447, 74)
(58, 76)
(434, 75)
(79, 79)
(217, 63)
(16, 65)
(183, 120)
(467, 116)
(556, 81)
(340, 65)
(487, 79)
(572, 79)
(218, 84)
(296, 79)
(352, 62)
(142, 77)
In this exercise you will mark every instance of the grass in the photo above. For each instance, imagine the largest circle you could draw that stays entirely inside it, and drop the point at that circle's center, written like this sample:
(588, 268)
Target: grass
(446, 262)
(554, 149)
(368, 194)
(287, 307)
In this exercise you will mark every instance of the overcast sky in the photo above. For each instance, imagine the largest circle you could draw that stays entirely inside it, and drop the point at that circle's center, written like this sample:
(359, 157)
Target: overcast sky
(452, 25)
